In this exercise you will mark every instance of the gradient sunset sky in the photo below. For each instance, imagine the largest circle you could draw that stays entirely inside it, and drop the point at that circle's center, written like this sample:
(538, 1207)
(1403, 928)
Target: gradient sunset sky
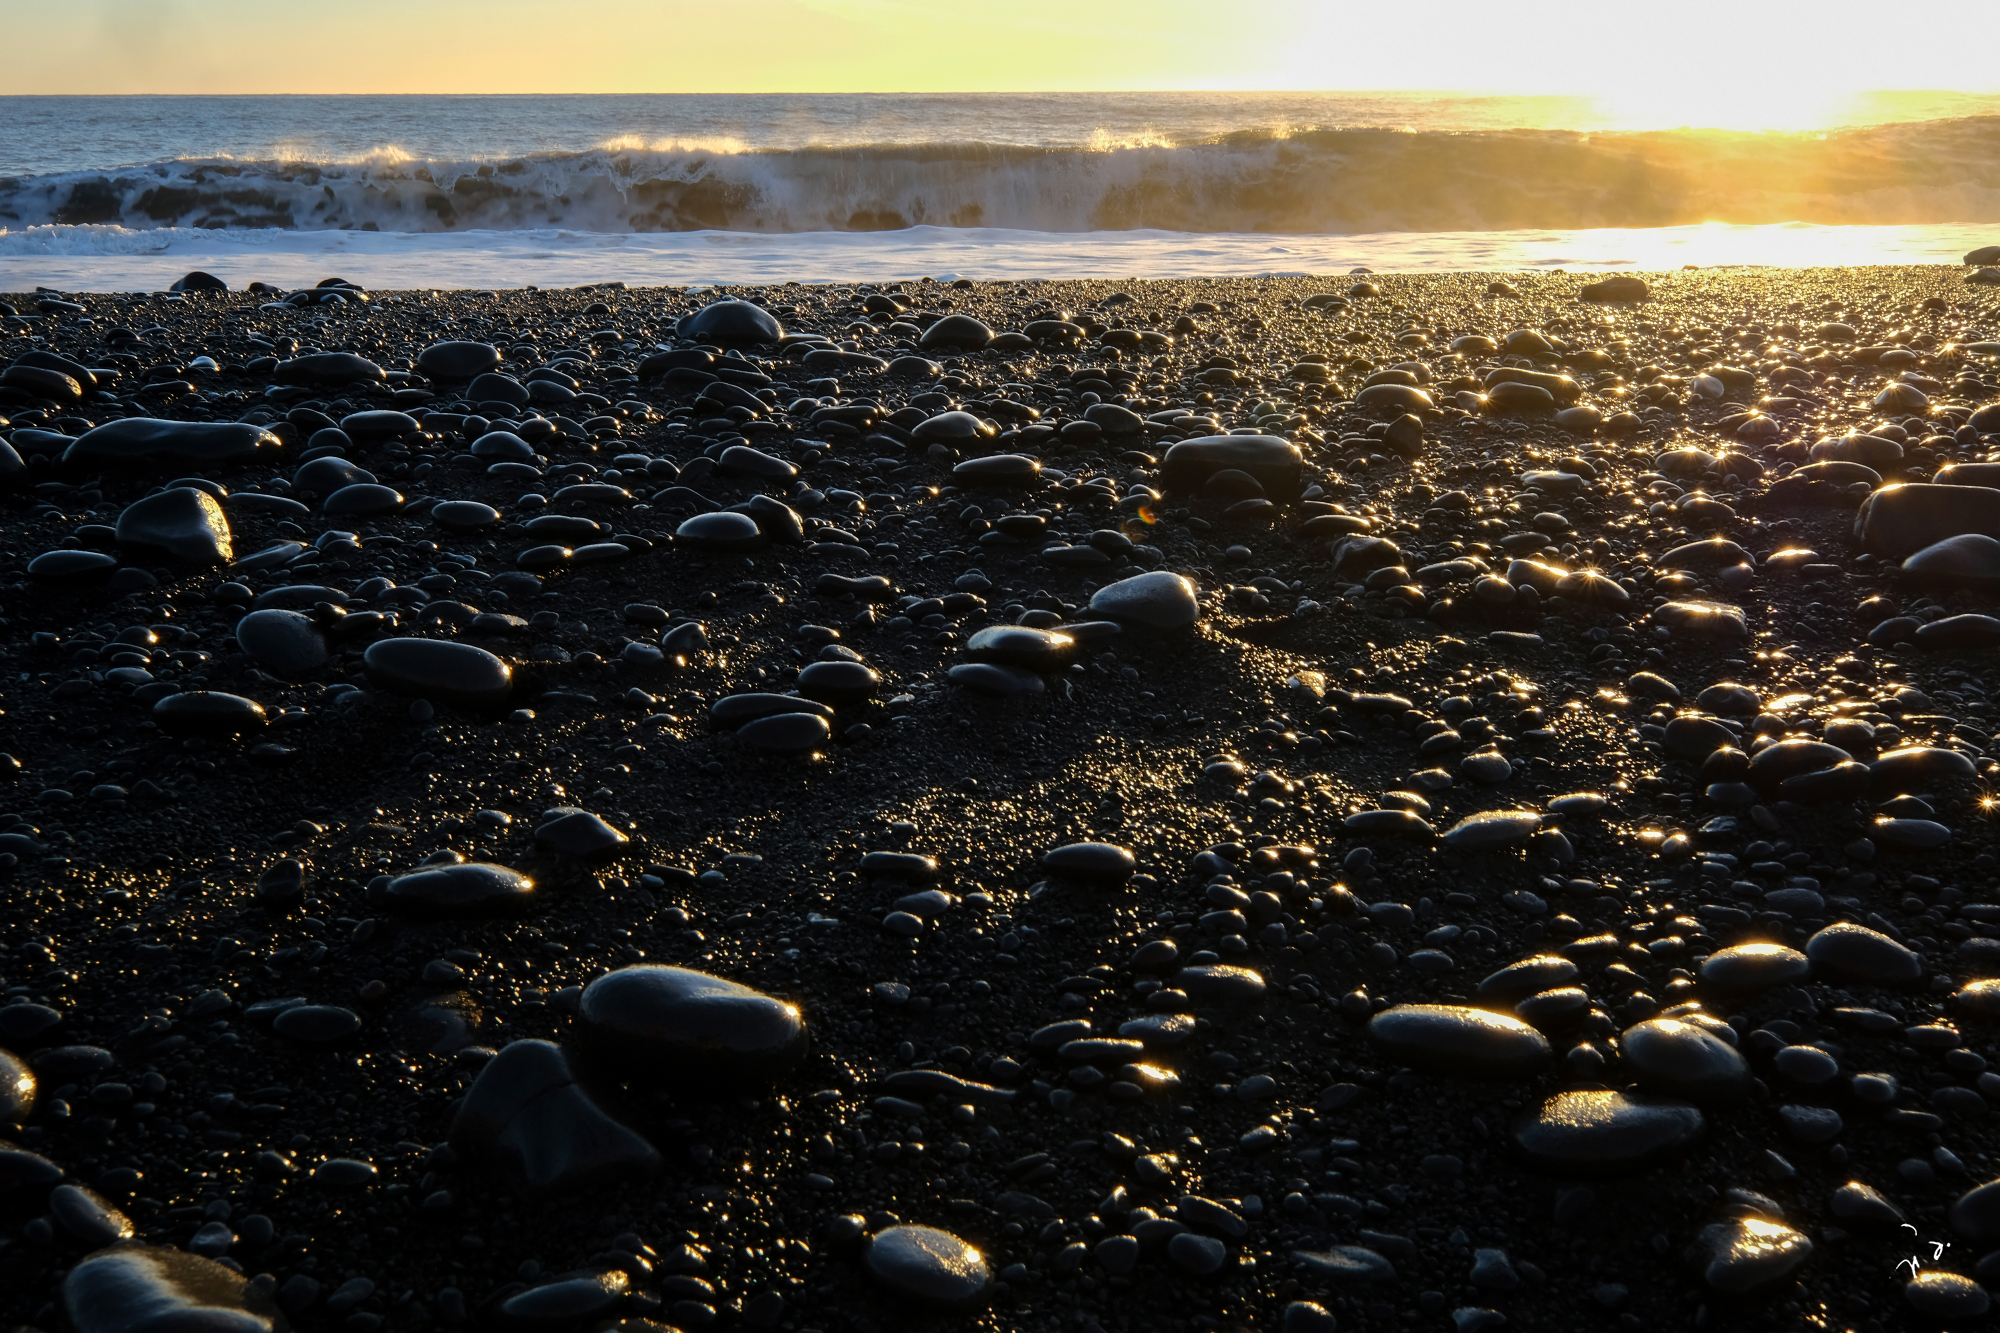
(1708, 56)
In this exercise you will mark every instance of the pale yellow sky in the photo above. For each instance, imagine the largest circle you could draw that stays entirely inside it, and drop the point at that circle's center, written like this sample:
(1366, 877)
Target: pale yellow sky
(1705, 55)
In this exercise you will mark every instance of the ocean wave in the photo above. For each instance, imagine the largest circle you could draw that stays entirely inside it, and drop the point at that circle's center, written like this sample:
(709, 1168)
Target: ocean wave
(1325, 182)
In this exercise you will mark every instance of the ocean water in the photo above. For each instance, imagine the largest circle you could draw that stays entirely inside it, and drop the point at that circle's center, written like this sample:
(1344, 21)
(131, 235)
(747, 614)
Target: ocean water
(103, 192)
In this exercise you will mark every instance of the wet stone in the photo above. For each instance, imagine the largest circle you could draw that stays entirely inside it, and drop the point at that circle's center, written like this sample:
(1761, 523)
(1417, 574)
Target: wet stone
(1491, 829)
(838, 683)
(150, 440)
(1942, 1295)
(1602, 1131)
(1858, 1204)
(439, 670)
(1091, 862)
(1748, 1255)
(466, 889)
(928, 1266)
(1757, 966)
(317, 1024)
(721, 532)
(579, 833)
(1847, 950)
(458, 360)
(1459, 1041)
(132, 1288)
(785, 733)
(688, 1032)
(1345, 1265)
(996, 681)
(1976, 1214)
(208, 713)
(1157, 600)
(1220, 982)
(732, 324)
(17, 1089)
(956, 332)
(1684, 1059)
(527, 1111)
(1275, 464)
(187, 524)
(288, 643)
(561, 1303)
(998, 470)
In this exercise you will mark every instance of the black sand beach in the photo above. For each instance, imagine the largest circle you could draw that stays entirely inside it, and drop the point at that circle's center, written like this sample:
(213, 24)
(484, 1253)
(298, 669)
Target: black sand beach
(1644, 632)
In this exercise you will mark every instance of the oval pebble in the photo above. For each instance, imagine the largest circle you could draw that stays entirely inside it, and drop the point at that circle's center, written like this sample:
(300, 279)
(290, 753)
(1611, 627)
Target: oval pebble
(929, 1266)
(1597, 1131)
(688, 1031)
(1459, 1040)
(439, 670)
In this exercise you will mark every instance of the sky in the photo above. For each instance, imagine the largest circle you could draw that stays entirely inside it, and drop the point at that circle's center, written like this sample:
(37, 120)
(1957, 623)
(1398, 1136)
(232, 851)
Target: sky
(1732, 58)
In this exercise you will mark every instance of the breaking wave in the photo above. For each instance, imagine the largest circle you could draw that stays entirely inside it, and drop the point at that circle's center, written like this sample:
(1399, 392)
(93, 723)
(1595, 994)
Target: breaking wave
(1328, 182)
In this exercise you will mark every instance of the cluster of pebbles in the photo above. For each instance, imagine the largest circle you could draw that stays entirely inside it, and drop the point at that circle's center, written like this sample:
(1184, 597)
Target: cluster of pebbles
(1378, 803)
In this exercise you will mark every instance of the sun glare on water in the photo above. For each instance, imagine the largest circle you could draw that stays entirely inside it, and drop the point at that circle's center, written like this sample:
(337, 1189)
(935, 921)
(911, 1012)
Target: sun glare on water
(1736, 102)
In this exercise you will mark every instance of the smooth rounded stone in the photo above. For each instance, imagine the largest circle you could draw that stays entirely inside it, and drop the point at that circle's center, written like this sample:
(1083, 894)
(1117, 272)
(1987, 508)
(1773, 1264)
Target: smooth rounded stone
(1601, 1131)
(1682, 1059)
(1847, 950)
(1942, 1295)
(1914, 767)
(1899, 521)
(20, 1022)
(458, 360)
(71, 1064)
(927, 1265)
(951, 428)
(688, 1032)
(1308, 1317)
(1970, 560)
(1345, 1265)
(1811, 1124)
(1753, 967)
(1276, 465)
(1487, 766)
(1911, 835)
(186, 523)
(1529, 976)
(1975, 999)
(999, 470)
(1459, 1040)
(731, 324)
(132, 1288)
(286, 642)
(298, 597)
(467, 889)
(785, 733)
(1689, 737)
(326, 474)
(1220, 981)
(1774, 764)
(42, 382)
(1492, 828)
(1200, 1255)
(996, 681)
(495, 387)
(1397, 398)
(734, 710)
(499, 446)
(208, 713)
(527, 1110)
(839, 683)
(464, 515)
(363, 499)
(745, 461)
(17, 1089)
(87, 1217)
(1713, 620)
(1748, 1254)
(1091, 862)
(379, 424)
(439, 670)
(723, 531)
(1157, 600)
(150, 440)
(1968, 630)
(1975, 1215)
(327, 370)
(1856, 1202)
(62, 565)
(1870, 451)
(574, 832)
(567, 1300)
(1391, 823)
(317, 1024)
(1019, 646)
(1590, 587)
(957, 332)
